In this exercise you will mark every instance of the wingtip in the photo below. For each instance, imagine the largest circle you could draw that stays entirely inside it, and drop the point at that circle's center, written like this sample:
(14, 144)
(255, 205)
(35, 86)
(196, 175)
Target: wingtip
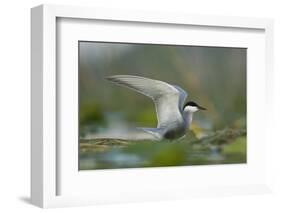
(115, 77)
(109, 78)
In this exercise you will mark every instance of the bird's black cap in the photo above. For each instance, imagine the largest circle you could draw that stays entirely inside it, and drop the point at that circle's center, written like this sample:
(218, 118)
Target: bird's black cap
(192, 103)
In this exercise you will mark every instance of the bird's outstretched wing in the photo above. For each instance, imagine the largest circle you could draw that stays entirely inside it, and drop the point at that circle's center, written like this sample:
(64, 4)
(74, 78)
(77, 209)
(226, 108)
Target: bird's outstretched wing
(168, 99)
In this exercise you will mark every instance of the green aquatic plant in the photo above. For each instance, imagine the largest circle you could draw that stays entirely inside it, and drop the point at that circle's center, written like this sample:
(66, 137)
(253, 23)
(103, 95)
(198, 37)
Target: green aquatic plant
(220, 147)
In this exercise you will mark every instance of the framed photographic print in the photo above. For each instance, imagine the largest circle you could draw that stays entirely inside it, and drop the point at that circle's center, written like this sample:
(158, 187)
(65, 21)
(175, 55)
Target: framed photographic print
(132, 106)
(109, 136)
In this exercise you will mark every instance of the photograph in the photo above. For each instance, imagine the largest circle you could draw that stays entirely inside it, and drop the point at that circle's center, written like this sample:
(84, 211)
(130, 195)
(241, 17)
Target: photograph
(157, 105)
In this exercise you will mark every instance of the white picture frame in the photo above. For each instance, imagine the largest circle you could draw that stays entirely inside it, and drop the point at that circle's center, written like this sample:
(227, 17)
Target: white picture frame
(45, 168)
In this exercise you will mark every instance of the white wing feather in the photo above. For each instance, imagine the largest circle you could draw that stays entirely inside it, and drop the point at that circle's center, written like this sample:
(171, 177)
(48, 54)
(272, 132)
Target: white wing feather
(168, 99)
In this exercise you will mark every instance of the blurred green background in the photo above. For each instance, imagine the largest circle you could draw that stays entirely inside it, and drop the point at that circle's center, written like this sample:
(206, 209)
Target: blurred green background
(214, 77)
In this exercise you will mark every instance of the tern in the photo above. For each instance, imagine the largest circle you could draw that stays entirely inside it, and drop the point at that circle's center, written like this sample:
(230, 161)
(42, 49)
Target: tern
(174, 116)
